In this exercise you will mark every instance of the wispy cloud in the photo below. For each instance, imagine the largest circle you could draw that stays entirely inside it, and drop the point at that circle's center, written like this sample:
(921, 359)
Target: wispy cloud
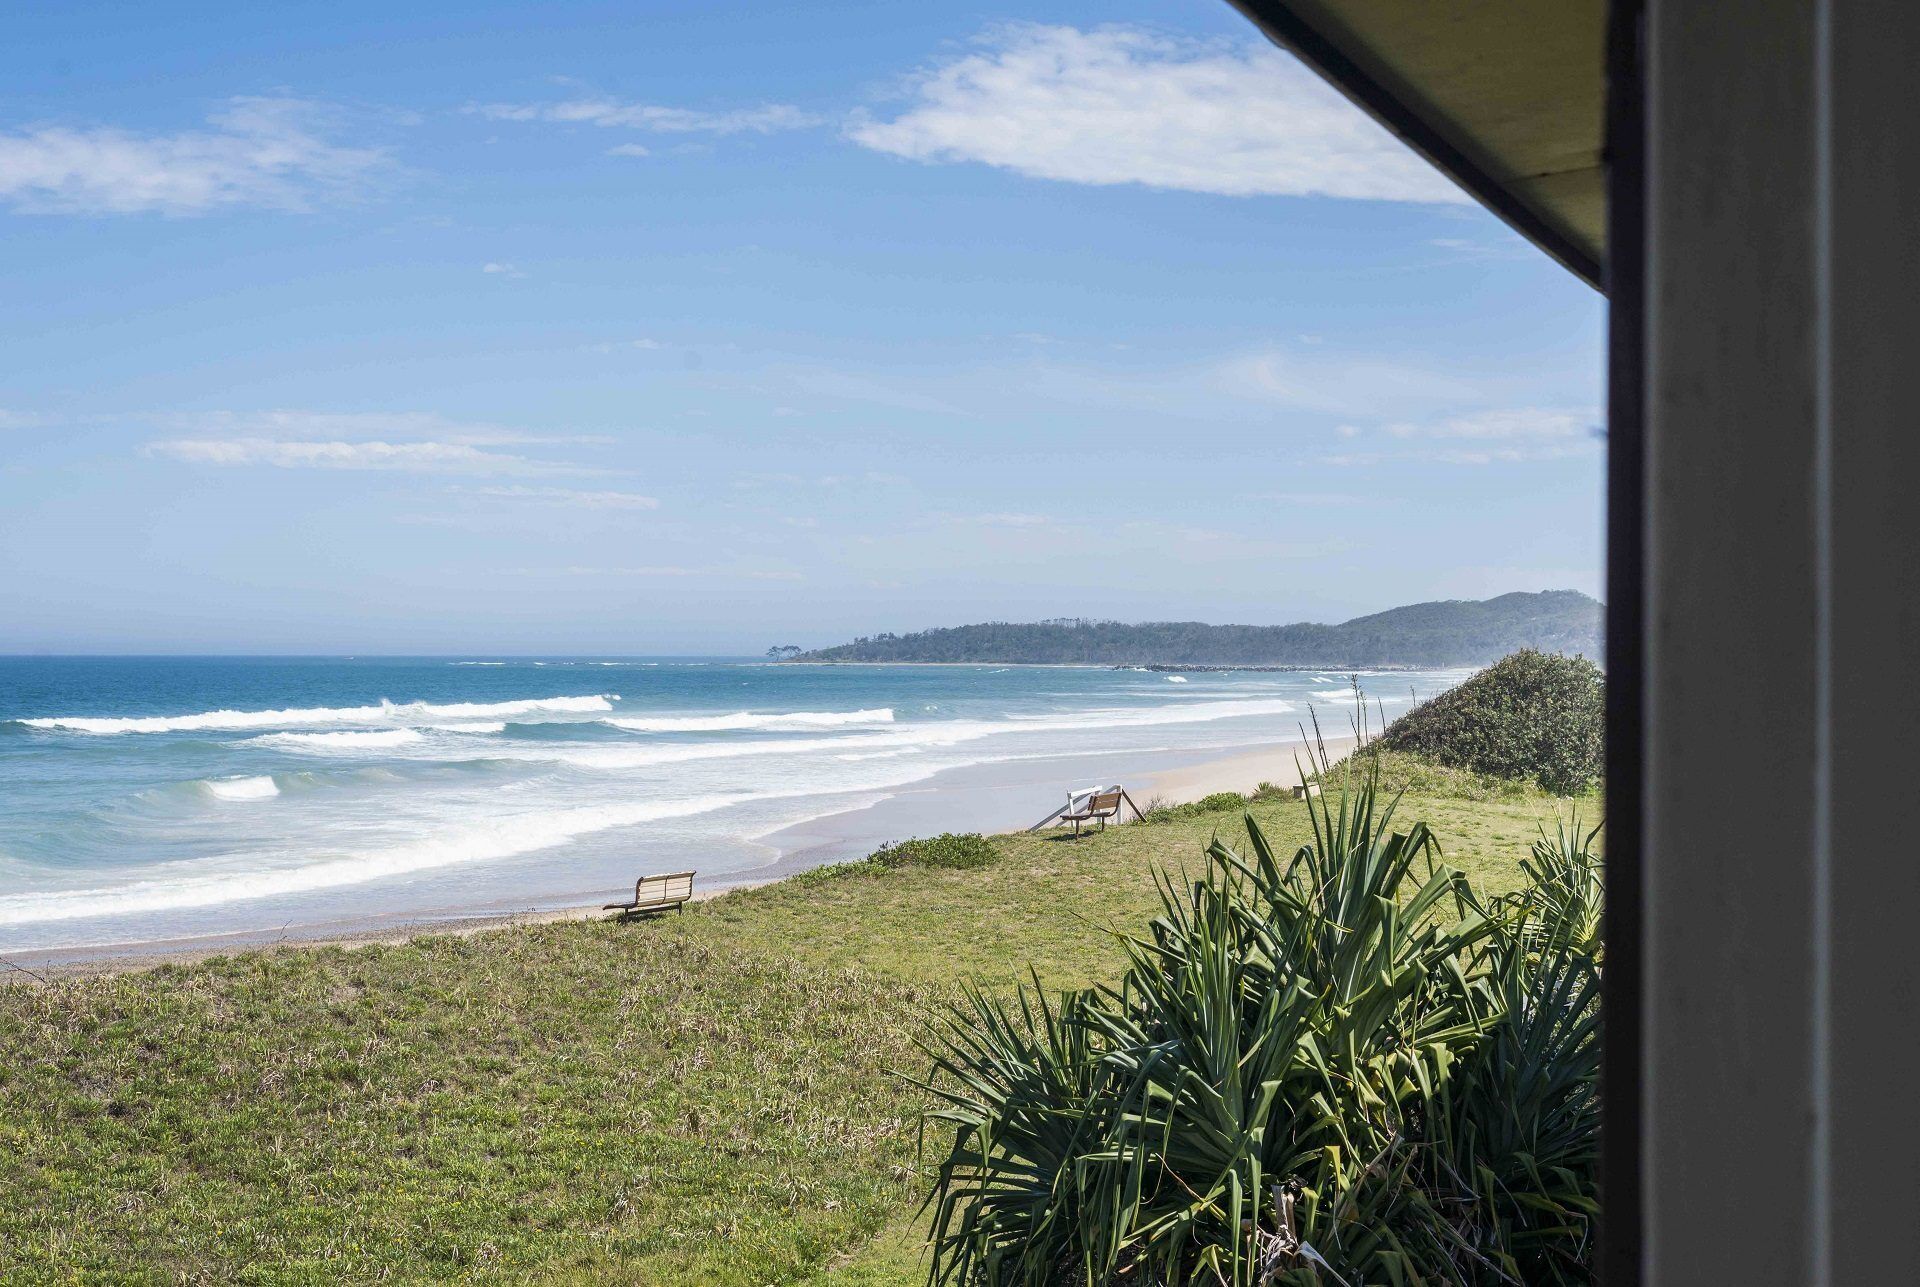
(1120, 104)
(612, 113)
(999, 520)
(297, 423)
(569, 497)
(1533, 423)
(1343, 383)
(1503, 436)
(270, 153)
(630, 149)
(403, 442)
(870, 478)
(497, 269)
(666, 570)
(404, 457)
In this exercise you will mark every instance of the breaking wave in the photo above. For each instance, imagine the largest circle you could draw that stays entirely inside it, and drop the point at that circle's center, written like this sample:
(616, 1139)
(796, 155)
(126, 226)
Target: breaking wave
(497, 838)
(260, 788)
(377, 739)
(385, 713)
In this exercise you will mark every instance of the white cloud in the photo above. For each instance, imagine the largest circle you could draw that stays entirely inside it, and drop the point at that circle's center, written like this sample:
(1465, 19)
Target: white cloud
(610, 113)
(569, 497)
(748, 574)
(501, 270)
(1349, 384)
(405, 457)
(258, 152)
(1124, 105)
(356, 424)
(1493, 437)
(630, 149)
(1001, 520)
(870, 478)
(1521, 422)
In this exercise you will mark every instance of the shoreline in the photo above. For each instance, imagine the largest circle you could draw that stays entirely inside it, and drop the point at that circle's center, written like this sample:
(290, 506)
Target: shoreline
(976, 799)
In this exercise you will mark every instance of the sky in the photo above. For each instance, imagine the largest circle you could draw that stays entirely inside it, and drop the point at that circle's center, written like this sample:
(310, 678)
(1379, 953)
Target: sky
(643, 327)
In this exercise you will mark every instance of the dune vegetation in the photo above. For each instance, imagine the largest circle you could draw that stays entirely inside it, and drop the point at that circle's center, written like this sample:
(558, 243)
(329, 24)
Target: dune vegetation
(1532, 716)
(724, 1097)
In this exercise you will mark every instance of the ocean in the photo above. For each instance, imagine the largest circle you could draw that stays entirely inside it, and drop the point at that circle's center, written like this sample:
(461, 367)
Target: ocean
(148, 799)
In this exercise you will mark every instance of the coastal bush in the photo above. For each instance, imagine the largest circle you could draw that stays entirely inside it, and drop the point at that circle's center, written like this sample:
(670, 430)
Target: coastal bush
(1343, 1067)
(960, 850)
(1531, 716)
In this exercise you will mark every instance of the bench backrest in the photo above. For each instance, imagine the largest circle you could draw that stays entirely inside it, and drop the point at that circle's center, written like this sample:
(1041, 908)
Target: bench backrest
(1105, 802)
(676, 887)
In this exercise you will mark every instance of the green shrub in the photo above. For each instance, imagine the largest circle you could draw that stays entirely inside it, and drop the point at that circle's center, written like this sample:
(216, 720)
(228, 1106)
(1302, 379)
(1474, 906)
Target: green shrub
(1531, 716)
(1345, 1067)
(948, 849)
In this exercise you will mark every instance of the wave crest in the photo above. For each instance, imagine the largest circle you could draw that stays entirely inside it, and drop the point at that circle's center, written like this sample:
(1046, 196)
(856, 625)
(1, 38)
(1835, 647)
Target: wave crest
(260, 788)
(385, 713)
(375, 739)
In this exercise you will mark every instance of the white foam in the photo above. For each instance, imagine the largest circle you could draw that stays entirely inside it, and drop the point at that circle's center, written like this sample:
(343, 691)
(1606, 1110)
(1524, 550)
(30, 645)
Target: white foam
(379, 739)
(497, 838)
(260, 788)
(1176, 679)
(932, 734)
(747, 721)
(385, 713)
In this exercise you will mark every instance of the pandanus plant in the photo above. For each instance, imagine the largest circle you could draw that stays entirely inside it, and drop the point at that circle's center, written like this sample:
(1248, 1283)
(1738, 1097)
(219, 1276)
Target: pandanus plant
(1342, 1067)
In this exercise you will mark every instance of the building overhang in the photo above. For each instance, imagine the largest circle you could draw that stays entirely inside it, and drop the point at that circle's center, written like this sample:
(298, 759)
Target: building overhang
(1507, 97)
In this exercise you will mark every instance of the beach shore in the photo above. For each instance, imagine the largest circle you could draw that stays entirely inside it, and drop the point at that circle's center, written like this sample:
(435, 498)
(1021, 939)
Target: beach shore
(997, 798)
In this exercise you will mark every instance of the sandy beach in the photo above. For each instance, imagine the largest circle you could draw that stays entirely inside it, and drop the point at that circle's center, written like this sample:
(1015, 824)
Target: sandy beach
(991, 799)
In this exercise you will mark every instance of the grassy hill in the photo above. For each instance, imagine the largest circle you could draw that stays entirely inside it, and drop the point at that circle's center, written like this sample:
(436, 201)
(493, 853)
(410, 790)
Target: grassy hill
(1453, 632)
(1532, 716)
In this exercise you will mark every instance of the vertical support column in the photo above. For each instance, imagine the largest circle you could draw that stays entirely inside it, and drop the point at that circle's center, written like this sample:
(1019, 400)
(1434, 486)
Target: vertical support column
(1869, 250)
(1623, 981)
(1732, 607)
(1779, 1125)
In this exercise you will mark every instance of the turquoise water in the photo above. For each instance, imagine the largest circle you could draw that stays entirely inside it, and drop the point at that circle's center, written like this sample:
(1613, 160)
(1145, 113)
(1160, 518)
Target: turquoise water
(153, 798)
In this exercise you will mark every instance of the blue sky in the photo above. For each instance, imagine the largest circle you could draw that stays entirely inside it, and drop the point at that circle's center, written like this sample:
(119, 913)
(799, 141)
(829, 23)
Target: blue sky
(643, 327)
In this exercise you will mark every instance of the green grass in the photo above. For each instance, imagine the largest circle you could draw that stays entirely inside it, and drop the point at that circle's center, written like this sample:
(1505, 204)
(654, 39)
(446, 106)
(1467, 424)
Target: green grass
(705, 1098)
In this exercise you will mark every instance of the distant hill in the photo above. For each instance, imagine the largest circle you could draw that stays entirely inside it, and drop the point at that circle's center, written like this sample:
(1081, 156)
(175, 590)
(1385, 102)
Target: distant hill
(1452, 632)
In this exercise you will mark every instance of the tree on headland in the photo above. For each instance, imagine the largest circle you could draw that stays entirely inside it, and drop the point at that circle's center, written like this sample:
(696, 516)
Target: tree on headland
(1448, 633)
(784, 652)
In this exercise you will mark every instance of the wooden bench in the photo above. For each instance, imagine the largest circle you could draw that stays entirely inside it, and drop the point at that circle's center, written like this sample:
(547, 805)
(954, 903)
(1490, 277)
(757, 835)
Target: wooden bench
(657, 894)
(1094, 808)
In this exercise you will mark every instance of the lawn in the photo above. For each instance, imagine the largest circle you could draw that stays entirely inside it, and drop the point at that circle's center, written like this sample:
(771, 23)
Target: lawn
(701, 1099)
